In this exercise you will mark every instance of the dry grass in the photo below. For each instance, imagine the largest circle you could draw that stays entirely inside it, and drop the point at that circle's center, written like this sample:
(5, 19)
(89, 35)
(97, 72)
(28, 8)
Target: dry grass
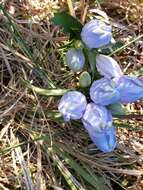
(37, 150)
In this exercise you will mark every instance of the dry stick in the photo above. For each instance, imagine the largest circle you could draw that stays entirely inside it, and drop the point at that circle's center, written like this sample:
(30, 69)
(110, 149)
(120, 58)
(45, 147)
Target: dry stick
(71, 9)
(7, 63)
(12, 106)
(29, 62)
(126, 45)
(26, 171)
(83, 18)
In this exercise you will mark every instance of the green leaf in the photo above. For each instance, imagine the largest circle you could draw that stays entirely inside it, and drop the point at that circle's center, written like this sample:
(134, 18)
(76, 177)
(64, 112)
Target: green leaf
(68, 23)
(117, 109)
(113, 48)
(48, 92)
(93, 180)
(92, 62)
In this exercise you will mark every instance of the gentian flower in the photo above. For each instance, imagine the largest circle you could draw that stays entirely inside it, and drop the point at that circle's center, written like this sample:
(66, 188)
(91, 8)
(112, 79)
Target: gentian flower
(104, 92)
(96, 34)
(108, 67)
(130, 88)
(72, 105)
(96, 118)
(75, 59)
(98, 122)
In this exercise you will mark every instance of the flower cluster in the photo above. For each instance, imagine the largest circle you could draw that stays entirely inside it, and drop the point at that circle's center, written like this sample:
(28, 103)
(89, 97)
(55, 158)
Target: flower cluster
(112, 88)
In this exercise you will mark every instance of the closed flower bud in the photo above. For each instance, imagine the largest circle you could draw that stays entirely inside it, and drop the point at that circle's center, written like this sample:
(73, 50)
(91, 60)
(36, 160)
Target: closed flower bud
(108, 67)
(96, 34)
(104, 92)
(75, 59)
(84, 79)
(130, 88)
(98, 122)
(72, 105)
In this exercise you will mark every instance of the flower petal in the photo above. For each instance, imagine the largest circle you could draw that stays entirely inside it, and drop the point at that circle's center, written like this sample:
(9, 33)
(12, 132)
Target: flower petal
(108, 67)
(96, 34)
(72, 105)
(106, 140)
(130, 88)
(104, 92)
(96, 118)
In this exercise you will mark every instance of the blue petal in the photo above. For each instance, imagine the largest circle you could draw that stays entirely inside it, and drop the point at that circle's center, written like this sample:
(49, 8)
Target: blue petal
(72, 105)
(130, 88)
(108, 67)
(96, 34)
(104, 92)
(106, 140)
(96, 118)
(75, 59)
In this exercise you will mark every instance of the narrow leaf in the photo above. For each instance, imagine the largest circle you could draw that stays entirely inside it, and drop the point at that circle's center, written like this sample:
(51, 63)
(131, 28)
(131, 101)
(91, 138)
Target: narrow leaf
(47, 92)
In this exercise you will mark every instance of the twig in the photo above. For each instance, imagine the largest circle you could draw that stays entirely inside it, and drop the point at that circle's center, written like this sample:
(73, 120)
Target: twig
(7, 63)
(71, 9)
(126, 45)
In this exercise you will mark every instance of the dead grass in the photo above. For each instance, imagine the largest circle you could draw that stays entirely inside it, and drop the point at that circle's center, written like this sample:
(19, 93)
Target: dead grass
(37, 150)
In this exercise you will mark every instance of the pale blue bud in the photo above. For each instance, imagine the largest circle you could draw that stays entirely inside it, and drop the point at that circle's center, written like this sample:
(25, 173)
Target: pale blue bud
(130, 88)
(72, 105)
(108, 67)
(98, 122)
(96, 34)
(75, 59)
(104, 92)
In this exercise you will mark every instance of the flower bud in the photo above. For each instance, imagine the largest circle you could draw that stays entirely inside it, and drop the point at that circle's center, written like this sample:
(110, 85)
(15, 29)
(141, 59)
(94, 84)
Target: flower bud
(72, 105)
(98, 122)
(96, 34)
(108, 67)
(75, 59)
(130, 88)
(104, 92)
(84, 79)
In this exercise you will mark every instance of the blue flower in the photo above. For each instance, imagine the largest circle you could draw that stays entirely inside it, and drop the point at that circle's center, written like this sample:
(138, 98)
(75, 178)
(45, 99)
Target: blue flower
(72, 105)
(105, 141)
(75, 59)
(104, 92)
(108, 67)
(98, 122)
(96, 34)
(96, 118)
(130, 89)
